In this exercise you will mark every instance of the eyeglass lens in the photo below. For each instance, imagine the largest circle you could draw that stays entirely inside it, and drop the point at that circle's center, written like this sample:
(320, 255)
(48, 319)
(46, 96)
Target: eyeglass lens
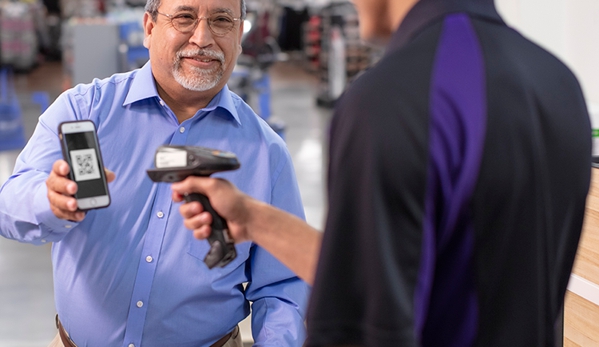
(219, 24)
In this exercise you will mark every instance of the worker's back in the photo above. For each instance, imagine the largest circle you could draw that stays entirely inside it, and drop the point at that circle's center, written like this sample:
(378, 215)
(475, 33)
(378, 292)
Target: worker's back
(459, 171)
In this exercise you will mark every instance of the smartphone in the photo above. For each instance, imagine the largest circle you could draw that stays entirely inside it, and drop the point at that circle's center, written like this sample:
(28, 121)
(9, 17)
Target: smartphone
(80, 148)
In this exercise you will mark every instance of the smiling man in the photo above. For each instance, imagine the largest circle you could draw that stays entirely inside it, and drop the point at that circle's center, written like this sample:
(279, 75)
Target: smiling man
(184, 59)
(131, 274)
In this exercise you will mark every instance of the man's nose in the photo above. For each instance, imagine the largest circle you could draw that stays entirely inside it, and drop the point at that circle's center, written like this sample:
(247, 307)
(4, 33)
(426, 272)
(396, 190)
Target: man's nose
(202, 36)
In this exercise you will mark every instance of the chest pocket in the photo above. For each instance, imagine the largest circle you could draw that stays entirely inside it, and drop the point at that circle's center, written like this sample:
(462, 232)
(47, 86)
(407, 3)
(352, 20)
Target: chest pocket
(199, 248)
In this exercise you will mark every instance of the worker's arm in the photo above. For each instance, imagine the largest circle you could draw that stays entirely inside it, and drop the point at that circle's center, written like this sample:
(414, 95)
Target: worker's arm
(291, 240)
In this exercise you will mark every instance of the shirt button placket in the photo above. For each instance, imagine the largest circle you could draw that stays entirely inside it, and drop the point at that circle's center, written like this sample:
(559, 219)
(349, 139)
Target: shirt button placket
(146, 270)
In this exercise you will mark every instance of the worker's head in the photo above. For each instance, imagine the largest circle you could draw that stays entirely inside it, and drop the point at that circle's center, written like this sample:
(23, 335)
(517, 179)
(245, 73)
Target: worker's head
(379, 19)
(194, 43)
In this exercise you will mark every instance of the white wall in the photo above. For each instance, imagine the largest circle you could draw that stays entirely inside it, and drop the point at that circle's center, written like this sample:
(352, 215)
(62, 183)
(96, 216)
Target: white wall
(567, 28)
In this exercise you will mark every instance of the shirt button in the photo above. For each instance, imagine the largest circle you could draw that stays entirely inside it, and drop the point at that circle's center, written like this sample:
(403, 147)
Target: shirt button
(131, 345)
(149, 259)
(161, 103)
(182, 130)
(140, 304)
(44, 241)
(68, 226)
(160, 214)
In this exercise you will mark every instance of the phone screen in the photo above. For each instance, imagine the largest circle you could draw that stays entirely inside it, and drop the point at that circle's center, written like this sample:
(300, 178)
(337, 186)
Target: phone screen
(85, 164)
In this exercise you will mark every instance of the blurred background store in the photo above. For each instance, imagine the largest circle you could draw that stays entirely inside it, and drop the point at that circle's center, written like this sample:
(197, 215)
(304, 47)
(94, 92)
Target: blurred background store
(299, 56)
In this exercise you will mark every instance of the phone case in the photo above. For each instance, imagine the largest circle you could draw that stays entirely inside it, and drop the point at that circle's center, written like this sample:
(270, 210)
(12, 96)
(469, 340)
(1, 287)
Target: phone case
(101, 172)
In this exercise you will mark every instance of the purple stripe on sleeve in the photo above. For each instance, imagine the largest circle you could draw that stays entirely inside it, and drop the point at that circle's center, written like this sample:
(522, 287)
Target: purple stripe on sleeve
(446, 309)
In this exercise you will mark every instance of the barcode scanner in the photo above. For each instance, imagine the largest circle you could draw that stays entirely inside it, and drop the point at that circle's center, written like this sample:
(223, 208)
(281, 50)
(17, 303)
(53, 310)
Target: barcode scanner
(174, 164)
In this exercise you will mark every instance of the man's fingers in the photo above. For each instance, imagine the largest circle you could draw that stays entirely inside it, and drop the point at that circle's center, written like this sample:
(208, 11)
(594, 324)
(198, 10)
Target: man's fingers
(203, 232)
(60, 193)
(194, 216)
(192, 184)
(64, 207)
(198, 221)
(58, 181)
(190, 209)
(62, 202)
(72, 216)
(61, 185)
(178, 197)
(61, 168)
(110, 176)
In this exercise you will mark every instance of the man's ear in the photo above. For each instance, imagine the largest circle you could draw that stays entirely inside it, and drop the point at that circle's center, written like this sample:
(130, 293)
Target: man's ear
(148, 24)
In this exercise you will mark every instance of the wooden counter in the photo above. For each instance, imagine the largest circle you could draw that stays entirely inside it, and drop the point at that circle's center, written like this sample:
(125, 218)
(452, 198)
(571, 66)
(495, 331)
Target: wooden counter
(581, 313)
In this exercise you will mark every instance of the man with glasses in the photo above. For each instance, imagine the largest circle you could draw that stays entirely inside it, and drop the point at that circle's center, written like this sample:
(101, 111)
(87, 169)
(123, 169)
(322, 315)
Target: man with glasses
(459, 169)
(131, 274)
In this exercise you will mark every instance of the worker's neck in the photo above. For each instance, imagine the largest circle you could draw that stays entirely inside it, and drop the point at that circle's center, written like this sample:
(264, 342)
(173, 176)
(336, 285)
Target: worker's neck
(383, 19)
(397, 11)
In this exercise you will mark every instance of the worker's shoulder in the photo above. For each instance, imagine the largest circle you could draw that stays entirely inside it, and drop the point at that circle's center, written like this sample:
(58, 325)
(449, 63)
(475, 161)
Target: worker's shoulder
(397, 84)
(401, 77)
(507, 51)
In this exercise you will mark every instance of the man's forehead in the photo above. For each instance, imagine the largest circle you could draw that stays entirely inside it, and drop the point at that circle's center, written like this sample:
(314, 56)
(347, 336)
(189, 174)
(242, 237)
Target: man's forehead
(232, 6)
(210, 10)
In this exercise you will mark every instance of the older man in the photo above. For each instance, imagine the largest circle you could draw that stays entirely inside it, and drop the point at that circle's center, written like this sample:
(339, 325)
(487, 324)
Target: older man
(459, 168)
(131, 274)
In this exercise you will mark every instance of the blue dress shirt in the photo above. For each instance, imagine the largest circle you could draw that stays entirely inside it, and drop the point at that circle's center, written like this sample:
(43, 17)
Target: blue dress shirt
(132, 274)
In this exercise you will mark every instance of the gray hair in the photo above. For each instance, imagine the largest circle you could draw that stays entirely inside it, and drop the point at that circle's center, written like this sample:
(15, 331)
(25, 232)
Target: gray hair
(152, 8)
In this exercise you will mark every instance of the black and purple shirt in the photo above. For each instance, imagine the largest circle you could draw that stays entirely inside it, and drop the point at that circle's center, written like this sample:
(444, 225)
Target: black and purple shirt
(459, 168)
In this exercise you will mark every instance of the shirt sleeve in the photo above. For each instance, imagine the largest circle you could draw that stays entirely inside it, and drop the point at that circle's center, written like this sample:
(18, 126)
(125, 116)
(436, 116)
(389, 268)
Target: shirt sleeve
(25, 213)
(279, 297)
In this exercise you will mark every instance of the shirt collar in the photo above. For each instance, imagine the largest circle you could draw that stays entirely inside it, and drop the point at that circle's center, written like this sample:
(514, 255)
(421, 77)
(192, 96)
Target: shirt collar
(425, 12)
(224, 100)
(143, 87)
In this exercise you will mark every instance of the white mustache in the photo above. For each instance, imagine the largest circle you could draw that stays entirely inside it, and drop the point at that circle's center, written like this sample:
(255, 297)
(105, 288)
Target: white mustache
(202, 53)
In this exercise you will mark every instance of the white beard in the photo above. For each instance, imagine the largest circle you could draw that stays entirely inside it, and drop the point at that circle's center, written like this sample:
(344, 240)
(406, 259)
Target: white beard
(201, 79)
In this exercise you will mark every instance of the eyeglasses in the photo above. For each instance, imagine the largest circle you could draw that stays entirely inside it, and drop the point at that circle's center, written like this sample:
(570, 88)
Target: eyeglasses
(220, 24)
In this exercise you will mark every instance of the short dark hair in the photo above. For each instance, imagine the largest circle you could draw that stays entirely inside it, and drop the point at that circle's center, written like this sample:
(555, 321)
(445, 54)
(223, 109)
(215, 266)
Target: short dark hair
(152, 8)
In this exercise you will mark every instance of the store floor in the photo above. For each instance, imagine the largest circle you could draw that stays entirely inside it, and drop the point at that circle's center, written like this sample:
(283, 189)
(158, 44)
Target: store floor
(26, 292)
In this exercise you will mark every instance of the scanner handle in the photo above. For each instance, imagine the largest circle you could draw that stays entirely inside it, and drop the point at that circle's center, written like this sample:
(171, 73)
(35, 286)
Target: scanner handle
(222, 247)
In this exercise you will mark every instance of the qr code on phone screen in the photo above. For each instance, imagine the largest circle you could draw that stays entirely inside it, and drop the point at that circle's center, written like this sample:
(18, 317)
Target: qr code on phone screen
(85, 164)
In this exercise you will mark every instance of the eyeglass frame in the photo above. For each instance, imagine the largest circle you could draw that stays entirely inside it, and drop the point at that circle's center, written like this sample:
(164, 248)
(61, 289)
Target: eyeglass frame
(198, 20)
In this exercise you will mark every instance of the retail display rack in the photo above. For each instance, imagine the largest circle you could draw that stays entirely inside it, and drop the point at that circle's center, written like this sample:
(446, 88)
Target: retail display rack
(334, 50)
(19, 28)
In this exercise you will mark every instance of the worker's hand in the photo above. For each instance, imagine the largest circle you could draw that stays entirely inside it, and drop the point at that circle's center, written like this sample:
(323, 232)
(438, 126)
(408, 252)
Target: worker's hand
(61, 190)
(225, 199)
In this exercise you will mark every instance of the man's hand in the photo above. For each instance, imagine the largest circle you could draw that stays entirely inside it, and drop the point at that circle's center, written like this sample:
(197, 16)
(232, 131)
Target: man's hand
(285, 236)
(224, 197)
(61, 190)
